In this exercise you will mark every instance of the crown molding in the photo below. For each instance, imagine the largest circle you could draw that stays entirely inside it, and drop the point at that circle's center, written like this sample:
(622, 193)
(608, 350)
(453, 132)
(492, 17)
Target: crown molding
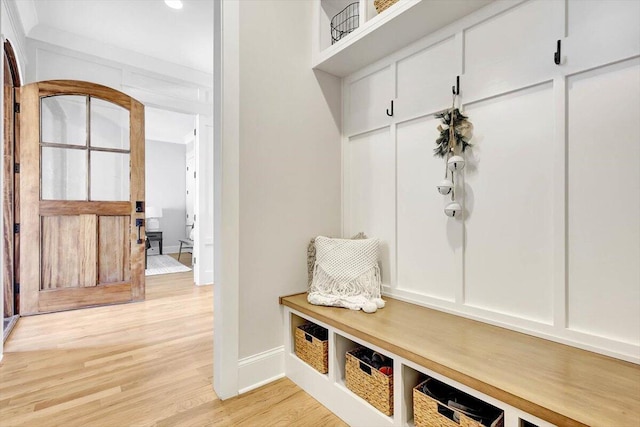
(19, 36)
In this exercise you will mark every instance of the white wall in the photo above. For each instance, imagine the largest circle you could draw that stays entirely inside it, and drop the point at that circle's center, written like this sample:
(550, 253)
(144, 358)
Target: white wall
(541, 247)
(288, 172)
(165, 188)
(289, 163)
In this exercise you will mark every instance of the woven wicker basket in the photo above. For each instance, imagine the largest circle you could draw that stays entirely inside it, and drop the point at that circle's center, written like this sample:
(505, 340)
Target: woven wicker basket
(312, 350)
(426, 413)
(369, 383)
(383, 4)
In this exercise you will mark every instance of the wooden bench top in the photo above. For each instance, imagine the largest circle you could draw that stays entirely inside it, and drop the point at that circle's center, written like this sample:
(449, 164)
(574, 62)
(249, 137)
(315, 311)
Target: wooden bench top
(564, 385)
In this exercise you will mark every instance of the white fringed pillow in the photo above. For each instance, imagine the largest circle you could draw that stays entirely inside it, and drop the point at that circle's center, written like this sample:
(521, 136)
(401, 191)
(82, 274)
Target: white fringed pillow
(346, 274)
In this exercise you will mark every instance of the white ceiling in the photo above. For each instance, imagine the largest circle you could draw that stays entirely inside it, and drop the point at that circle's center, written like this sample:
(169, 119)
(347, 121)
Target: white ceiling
(149, 27)
(167, 126)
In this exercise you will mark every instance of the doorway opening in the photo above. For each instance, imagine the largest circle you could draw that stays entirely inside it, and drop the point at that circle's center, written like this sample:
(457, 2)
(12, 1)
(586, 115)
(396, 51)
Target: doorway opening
(170, 190)
(12, 81)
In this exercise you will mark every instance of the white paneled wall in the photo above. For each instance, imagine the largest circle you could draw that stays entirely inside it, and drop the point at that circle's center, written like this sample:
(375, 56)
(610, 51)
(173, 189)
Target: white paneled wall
(421, 223)
(509, 192)
(424, 79)
(604, 202)
(512, 49)
(368, 100)
(371, 193)
(549, 242)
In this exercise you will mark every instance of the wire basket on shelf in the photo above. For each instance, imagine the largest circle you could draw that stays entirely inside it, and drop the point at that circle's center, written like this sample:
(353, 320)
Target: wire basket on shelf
(344, 22)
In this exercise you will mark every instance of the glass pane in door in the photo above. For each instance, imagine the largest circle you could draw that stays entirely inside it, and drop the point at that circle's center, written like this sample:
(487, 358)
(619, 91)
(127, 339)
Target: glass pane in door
(64, 120)
(109, 176)
(64, 174)
(109, 125)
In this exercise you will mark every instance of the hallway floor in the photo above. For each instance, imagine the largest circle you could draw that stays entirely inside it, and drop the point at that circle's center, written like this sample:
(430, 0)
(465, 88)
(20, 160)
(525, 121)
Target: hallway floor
(139, 364)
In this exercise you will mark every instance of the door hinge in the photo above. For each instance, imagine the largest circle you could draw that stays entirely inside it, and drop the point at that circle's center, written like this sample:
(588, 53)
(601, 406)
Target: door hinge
(16, 167)
(194, 260)
(16, 228)
(16, 107)
(194, 174)
(194, 217)
(16, 288)
(194, 131)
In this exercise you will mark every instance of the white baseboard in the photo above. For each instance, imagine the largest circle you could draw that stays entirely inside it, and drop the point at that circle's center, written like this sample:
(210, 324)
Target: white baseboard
(260, 369)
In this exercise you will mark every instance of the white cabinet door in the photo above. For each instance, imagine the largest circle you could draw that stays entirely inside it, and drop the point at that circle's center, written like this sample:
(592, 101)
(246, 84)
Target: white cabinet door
(425, 79)
(368, 99)
(512, 50)
(604, 201)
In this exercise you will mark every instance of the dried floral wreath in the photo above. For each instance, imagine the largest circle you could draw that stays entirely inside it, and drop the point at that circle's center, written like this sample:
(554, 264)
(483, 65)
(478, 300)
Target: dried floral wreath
(455, 129)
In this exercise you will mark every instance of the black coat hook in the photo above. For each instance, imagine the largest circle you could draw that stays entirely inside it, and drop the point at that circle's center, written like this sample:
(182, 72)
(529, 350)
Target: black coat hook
(390, 114)
(556, 56)
(456, 89)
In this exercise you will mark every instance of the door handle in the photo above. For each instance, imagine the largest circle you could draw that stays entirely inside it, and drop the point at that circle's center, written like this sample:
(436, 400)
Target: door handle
(139, 224)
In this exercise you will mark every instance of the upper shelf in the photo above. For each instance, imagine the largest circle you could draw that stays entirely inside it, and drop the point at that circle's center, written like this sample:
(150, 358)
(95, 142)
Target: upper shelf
(387, 32)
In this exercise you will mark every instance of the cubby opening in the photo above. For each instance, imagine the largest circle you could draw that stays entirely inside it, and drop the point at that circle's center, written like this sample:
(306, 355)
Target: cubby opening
(410, 379)
(436, 402)
(369, 375)
(342, 346)
(295, 322)
(349, 18)
(525, 423)
(310, 343)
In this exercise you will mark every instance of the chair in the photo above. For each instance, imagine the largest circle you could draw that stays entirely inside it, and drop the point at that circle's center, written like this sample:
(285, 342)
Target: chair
(186, 243)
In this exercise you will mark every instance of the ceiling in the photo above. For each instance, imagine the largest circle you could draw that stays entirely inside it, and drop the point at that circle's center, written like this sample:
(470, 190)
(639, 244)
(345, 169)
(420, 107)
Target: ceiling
(167, 126)
(149, 27)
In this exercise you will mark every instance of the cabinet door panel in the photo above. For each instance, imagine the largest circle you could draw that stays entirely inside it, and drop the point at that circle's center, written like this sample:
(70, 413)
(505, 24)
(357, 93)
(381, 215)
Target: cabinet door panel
(604, 202)
(369, 98)
(512, 50)
(509, 242)
(370, 187)
(425, 79)
(429, 242)
(601, 32)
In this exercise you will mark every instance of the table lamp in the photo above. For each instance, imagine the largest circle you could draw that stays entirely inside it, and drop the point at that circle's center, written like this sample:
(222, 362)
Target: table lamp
(153, 216)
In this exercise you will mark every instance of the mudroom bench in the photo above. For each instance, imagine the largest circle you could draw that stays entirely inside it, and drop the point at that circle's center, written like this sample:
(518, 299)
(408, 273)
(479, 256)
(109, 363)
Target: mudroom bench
(535, 382)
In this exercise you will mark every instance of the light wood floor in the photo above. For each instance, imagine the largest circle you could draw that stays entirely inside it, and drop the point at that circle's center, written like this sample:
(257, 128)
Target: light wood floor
(140, 364)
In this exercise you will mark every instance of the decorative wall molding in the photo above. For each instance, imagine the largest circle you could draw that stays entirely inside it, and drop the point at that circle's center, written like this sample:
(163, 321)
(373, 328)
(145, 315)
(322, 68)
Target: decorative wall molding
(16, 34)
(525, 78)
(178, 94)
(112, 53)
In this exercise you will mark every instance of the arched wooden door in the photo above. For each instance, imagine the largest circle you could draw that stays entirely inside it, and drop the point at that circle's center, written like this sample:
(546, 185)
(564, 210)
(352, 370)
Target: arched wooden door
(81, 196)
(11, 82)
